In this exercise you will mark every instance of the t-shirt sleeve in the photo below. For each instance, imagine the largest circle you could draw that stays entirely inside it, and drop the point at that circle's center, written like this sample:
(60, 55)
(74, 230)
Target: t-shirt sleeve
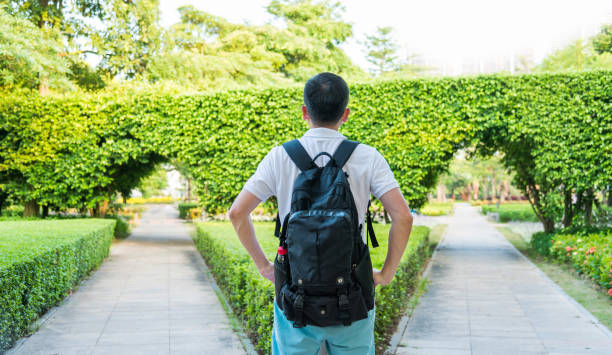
(263, 182)
(382, 179)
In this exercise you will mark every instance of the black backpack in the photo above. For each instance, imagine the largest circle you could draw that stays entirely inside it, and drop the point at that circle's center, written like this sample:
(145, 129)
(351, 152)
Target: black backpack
(323, 271)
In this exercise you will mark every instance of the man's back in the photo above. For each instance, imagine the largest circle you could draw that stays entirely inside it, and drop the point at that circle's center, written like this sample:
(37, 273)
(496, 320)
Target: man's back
(368, 172)
(325, 110)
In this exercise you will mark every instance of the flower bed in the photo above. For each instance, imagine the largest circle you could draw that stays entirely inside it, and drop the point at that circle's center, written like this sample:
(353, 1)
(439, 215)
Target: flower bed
(40, 261)
(251, 296)
(589, 253)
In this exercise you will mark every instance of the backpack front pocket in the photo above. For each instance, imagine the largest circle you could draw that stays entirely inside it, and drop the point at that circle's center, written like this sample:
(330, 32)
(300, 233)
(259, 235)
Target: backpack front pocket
(320, 244)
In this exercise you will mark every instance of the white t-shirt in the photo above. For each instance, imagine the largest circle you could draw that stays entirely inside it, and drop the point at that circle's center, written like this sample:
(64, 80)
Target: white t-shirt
(368, 171)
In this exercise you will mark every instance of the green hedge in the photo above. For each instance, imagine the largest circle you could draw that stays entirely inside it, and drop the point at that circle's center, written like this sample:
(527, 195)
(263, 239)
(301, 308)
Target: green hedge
(512, 212)
(590, 253)
(40, 261)
(251, 296)
(184, 208)
(553, 131)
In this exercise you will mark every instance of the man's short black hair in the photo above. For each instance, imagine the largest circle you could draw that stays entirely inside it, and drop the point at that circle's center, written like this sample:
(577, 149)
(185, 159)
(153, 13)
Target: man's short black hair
(326, 96)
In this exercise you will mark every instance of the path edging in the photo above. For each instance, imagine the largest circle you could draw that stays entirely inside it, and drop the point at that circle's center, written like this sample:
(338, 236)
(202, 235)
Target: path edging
(580, 308)
(396, 338)
(235, 322)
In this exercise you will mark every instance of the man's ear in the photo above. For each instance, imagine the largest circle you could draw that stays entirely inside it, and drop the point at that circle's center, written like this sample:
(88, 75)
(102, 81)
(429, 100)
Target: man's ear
(345, 115)
(305, 115)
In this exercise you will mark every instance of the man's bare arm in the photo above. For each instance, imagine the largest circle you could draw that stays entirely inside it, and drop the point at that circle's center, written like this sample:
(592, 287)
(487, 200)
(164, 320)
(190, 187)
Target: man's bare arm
(401, 225)
(240, 215)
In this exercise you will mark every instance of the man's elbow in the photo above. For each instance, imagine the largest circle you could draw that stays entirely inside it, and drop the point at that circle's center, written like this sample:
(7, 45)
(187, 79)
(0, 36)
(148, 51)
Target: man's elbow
(404, 217)
(235, 213)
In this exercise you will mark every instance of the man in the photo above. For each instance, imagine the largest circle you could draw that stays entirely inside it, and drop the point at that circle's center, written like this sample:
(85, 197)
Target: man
(325, 110)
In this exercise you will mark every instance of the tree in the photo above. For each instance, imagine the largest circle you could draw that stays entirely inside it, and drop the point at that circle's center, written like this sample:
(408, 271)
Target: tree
(131, 38)
(28, 55)
(602, 42)
(382, 50)
(153, 184)
(578, 55)
(209, 52)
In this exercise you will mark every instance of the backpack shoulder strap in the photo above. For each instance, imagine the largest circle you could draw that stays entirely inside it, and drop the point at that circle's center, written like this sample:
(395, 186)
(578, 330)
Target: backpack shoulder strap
(298, 154)
(344, 151)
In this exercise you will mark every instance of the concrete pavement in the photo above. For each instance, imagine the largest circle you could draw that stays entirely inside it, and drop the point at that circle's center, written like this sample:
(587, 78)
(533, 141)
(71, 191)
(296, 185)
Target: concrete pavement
(486, 298)
(152, 296)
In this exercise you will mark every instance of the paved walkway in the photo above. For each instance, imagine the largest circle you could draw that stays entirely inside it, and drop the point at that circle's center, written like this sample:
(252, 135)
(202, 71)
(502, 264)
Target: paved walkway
(152, 296)
(485, 298)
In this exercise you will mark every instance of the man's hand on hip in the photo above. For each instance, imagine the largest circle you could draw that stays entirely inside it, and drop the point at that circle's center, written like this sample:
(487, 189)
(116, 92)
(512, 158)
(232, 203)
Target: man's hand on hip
(267, 271)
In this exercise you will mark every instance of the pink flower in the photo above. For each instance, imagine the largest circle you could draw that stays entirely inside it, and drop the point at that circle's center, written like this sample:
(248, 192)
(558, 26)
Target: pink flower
(610, 292)
(568, 249)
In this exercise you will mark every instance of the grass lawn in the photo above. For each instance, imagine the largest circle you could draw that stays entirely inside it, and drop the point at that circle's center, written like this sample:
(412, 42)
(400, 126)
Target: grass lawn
(23, 239)
(437, 208)
(583, 290)
(512, 212)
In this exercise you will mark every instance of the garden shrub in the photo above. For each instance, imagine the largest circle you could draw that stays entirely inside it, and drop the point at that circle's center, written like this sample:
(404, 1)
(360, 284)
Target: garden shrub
(541, 242)
(589, 253)
(184, 208)
(122, 227)
(40, 261)
(251, 296)
(522, 212)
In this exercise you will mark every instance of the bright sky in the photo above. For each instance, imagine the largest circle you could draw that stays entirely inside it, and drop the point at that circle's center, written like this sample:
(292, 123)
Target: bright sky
(448, 33)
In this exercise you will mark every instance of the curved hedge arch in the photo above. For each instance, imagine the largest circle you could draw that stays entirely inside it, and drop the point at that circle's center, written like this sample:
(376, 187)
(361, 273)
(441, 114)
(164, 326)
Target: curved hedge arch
(75, 151)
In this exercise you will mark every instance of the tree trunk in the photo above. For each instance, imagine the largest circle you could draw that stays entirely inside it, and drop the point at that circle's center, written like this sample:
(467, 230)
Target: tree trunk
(549, 225)
(45, 211)
(610, 196)
(475, 189)
(188, 197)
(31, 209)
(568, 212)
(100, 210)
(588, 207)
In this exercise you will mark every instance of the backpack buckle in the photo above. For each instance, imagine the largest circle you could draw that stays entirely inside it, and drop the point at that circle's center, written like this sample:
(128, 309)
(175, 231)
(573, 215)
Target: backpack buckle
(298, 306)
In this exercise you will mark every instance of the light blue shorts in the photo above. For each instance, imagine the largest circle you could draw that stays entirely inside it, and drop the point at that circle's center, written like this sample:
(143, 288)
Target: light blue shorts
(357, 338)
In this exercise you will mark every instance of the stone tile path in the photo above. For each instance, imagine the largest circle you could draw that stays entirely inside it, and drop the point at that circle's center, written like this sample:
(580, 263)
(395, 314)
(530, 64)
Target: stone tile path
(152, 296)
(485, 298)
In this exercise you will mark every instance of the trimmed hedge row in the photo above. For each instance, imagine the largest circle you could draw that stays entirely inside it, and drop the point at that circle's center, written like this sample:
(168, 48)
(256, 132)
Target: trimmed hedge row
(589, 253)
(512, 212)
(552, 129)
(40, 261)
(251, 296)
(184, 208)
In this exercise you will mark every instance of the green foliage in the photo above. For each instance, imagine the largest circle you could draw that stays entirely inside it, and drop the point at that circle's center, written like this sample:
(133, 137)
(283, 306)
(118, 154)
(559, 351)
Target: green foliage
(207, 52)
(122, 227)
(130, 38)
(251, 296)
(153, 184)
(382, 50)
(40, 261)
(184, 208)
(28, 54)
(85, 77)
(577, 56)
(512, 212)
(602, 42)
(589, 253)
(552, 130)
